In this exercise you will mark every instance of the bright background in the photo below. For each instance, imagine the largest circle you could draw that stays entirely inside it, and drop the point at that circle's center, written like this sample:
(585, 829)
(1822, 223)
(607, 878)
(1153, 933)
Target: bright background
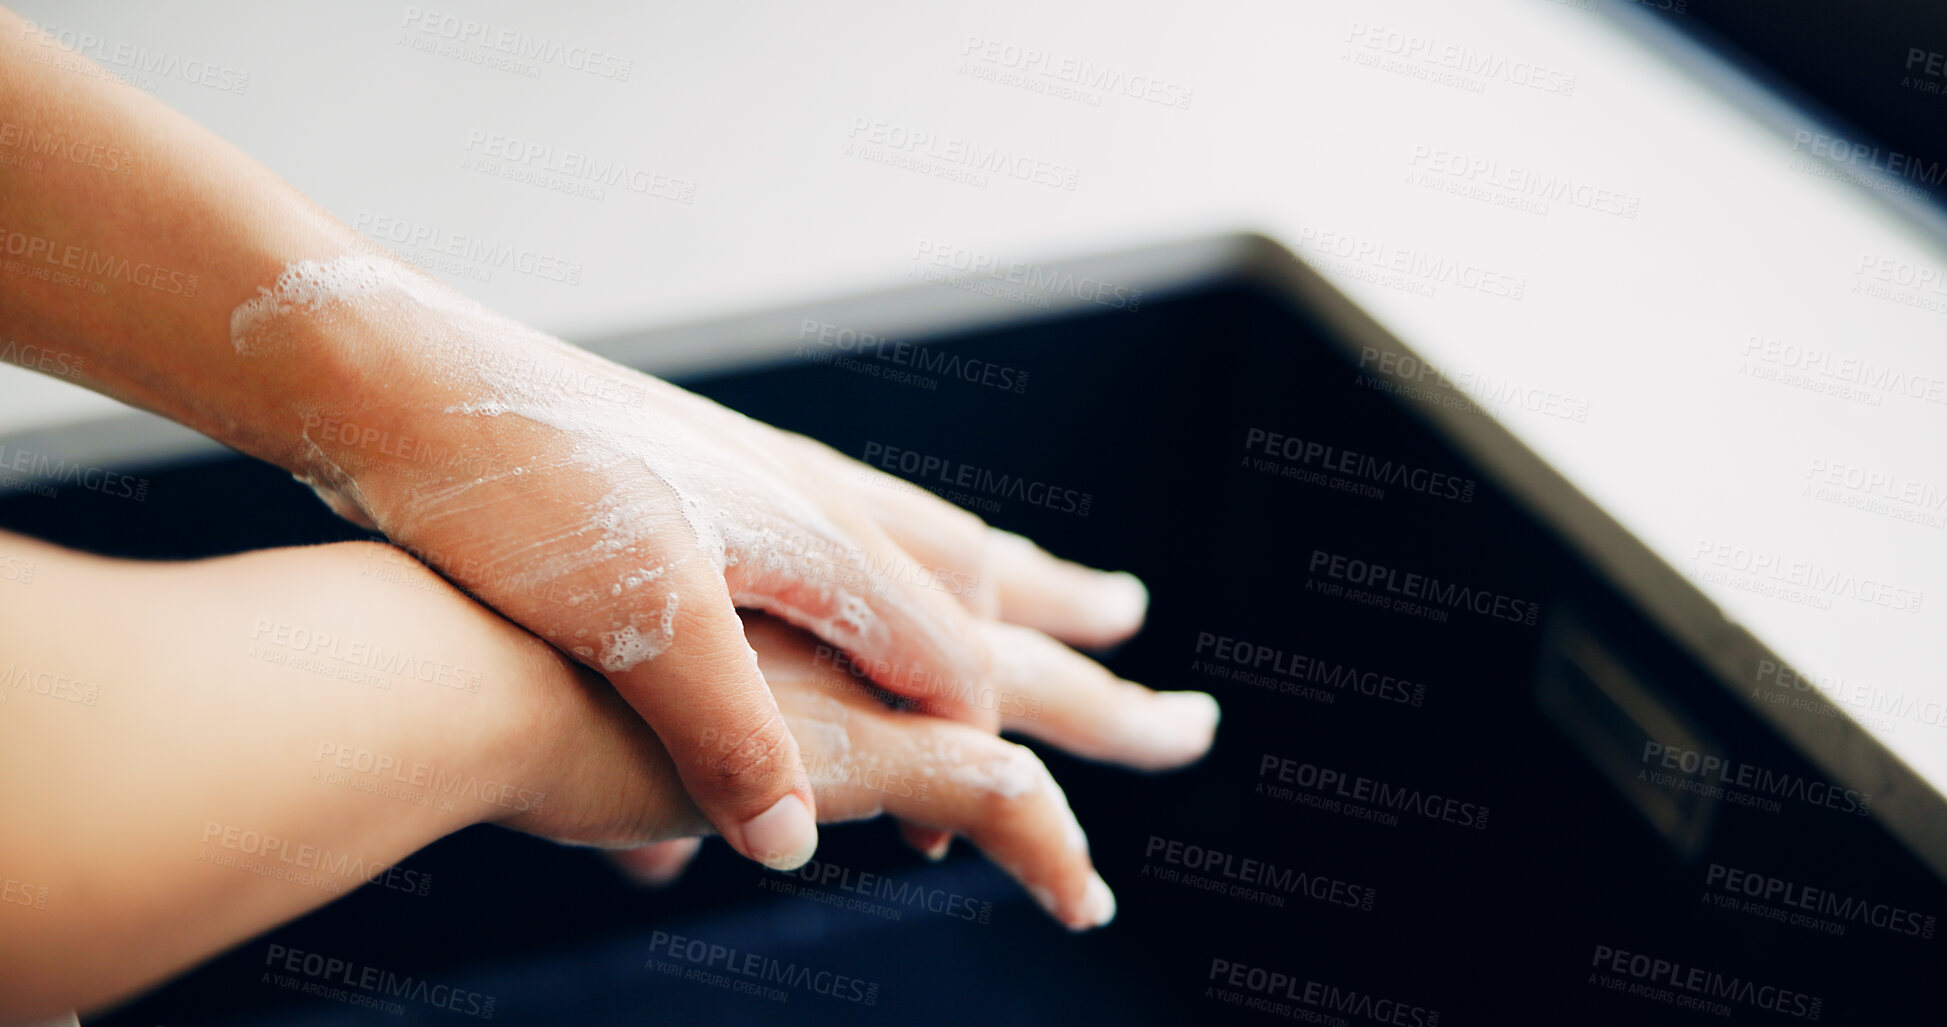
(1647, 321)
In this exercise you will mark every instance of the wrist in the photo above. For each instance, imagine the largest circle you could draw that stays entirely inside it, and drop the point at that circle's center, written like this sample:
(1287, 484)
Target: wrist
(382, 374)
(473, 695)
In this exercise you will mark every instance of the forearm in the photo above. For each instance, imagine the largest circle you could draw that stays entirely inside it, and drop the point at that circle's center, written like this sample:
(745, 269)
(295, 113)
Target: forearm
(157, 731)
(130, 262)
(193, 753)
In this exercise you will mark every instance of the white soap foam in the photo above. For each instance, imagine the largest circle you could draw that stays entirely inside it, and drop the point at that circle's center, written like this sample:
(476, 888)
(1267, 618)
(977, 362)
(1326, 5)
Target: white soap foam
(628, 647)
(675, 454)
(1010, 777)
(308, 286)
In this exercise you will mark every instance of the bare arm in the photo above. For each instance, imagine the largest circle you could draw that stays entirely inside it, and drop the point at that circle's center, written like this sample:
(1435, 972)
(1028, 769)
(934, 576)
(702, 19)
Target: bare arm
(193, 753)
(618, 517)
(133, 258)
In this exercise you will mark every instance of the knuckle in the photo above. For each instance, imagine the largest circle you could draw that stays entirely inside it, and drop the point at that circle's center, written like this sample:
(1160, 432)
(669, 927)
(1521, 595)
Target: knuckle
(748, 757)
(968, 528)
(1012, 781)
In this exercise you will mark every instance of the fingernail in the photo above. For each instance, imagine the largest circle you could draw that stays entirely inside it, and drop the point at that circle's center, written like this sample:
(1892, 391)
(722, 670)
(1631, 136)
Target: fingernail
(1098, 905)
(1174, 728)
(1195, 715)
(657, 866)
(937, 851)
(661, 877)
(1120, 601)
(782, 837)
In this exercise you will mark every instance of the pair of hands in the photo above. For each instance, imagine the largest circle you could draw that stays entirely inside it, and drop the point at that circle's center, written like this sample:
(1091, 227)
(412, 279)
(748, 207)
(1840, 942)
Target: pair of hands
(626, 521)
(620, 519)
(938, 777)
(266, 729)
(623, 520)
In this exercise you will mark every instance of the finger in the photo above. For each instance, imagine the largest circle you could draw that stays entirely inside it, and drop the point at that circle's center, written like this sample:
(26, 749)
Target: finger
(952, 777)
(930, 842)
(1062, 697)
(1079, 605)
(846, 582)
(687, 669)
(949, 541)
(657, 865)
(944, 540)
(996, 573)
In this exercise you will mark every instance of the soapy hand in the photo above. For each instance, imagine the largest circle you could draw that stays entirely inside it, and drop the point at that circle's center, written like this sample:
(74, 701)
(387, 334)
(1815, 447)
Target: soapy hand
(866, 759)
(626, 520)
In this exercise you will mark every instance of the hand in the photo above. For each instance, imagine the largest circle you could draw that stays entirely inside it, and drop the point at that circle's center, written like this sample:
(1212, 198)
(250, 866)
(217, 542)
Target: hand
(866, 759)
(625, 520)
(269, 728)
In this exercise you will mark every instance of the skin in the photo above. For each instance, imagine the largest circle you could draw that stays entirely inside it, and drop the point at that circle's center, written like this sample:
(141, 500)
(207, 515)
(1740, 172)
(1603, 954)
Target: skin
(507, 500)
(156, 722)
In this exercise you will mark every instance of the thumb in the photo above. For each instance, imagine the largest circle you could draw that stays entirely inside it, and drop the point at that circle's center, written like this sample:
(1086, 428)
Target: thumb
(684, 664)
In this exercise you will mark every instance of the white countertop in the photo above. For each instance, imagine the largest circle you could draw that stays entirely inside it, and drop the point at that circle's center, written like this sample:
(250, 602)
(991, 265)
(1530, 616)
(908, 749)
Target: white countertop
(1670, 293)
